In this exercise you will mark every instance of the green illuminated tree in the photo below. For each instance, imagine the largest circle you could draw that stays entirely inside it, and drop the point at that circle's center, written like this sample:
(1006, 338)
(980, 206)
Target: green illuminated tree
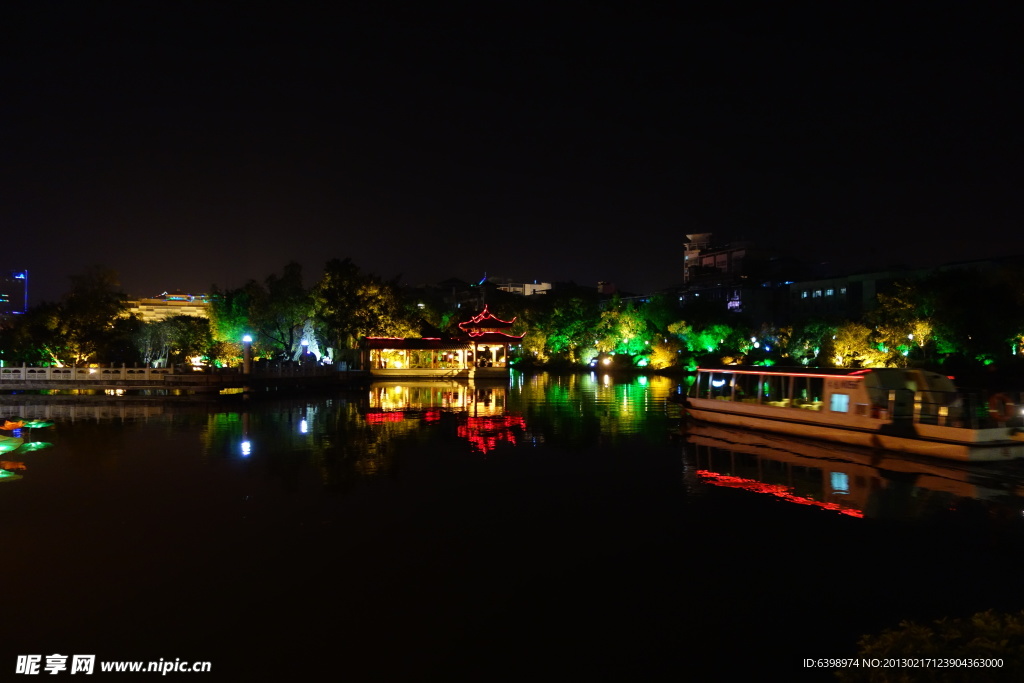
(558, 326)
(810, 341)
(274, 312)
(623, 329)
(229, 314)
(36, 338)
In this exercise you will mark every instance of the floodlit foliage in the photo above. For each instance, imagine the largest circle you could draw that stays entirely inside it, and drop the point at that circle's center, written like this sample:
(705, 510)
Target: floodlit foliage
(83, 327)
(350, 304)
(275, 312)
(983, 636)
(174, 340)
(622, 329)
(665, 354)
(959, 318)
(851, 344)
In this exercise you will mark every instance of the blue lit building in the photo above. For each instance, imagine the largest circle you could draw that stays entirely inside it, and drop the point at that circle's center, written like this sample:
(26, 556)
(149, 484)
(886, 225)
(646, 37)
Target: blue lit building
(13, 292)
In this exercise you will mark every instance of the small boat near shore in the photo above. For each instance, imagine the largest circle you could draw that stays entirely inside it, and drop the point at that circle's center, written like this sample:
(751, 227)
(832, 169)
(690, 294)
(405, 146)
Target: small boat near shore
(907, 411)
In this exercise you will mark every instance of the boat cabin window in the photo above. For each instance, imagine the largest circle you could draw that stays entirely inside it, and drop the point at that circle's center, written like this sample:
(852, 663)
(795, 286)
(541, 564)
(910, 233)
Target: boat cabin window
(775, 389)
(720, 386)
(839, 403)
(713, 385)
(746, 388)
(808, 390)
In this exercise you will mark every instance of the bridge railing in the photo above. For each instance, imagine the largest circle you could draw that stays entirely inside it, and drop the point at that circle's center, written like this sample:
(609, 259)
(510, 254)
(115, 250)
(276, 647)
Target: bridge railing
(30, 373)
(156, 375)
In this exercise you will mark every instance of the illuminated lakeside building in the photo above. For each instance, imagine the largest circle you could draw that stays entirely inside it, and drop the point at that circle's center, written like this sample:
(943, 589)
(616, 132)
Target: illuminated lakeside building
(480, 350)
(166, 305)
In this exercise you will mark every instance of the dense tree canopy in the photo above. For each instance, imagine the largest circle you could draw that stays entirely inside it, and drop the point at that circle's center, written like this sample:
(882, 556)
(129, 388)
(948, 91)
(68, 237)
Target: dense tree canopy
(949, 317)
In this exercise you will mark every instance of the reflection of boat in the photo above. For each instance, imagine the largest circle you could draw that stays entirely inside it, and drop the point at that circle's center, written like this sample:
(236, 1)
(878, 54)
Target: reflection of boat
(854, 481)
(910, 411)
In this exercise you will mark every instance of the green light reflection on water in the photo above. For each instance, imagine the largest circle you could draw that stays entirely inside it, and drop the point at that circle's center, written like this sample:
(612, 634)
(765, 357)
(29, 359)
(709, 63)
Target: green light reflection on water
(366, 433)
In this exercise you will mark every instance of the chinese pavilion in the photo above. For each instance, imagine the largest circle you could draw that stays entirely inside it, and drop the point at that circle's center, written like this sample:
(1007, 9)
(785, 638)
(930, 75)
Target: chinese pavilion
(480, 350)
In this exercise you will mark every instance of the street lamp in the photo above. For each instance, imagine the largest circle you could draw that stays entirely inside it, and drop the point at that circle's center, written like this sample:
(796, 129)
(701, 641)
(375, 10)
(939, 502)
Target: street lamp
(247, 354)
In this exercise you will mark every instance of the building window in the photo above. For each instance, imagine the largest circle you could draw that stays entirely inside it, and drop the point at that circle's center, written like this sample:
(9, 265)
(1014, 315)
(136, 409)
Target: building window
(817, 293)
(803, 295)
(830, 292)
(842, 290)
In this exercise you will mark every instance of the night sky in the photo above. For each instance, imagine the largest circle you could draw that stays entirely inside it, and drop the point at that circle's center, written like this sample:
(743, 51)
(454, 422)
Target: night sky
(195, 144)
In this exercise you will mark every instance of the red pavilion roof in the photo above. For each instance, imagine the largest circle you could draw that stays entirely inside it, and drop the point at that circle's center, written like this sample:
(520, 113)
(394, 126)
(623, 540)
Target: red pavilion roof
(485, 320)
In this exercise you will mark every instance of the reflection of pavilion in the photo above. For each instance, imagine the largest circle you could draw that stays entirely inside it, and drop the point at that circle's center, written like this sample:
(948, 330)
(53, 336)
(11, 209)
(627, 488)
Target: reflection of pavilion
(850, 480)
(480, 350)
(479, 409)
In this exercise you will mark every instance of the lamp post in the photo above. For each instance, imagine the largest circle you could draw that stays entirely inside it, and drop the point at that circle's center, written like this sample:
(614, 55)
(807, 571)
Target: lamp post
(247, 354)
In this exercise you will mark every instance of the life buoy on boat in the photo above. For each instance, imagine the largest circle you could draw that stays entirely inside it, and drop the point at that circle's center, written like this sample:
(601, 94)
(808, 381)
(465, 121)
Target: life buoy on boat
(1001, 407)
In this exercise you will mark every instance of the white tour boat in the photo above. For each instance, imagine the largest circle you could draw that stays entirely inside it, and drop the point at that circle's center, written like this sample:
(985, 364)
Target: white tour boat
(910, 411)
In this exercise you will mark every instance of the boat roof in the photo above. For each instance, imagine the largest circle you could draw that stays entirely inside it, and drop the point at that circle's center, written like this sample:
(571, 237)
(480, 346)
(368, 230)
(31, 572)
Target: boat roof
(794, 372)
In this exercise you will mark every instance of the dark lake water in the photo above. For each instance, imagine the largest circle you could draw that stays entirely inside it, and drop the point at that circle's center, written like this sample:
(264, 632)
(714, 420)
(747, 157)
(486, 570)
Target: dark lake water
(549, 528)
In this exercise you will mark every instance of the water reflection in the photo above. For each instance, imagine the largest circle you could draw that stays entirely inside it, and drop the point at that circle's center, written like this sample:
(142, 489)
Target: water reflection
(593, 409)
(850, 481)
(18, 442)
(362, 434)
(478, 409)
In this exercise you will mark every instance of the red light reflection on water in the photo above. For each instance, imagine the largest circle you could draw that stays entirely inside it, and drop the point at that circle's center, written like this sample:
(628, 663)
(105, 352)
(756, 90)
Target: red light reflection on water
(391, 416)
(485, 433)
(777, 490)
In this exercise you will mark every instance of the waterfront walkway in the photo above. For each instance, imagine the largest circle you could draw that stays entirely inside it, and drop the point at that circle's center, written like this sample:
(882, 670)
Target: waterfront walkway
(262, 376)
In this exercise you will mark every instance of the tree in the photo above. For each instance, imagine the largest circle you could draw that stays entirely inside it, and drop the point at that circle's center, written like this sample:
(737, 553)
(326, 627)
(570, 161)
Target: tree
(810, 341)
(973, 312)
(274, 312)
(280, 311)
(88, 324)
(900, 323)
(570, 327)
(851, 344)
(622, 329)
(36, 338)
(89, 310)
(229, 314)
(174, 340)
(349, 304)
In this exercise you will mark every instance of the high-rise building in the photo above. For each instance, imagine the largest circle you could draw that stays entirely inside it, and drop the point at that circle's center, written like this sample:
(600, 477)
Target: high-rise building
(13, 292)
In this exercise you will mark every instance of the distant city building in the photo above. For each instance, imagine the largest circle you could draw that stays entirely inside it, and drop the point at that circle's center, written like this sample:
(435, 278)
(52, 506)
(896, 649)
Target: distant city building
(169, 305)
(847, 297)
(13, 292)
(520, 288)
(739, 276)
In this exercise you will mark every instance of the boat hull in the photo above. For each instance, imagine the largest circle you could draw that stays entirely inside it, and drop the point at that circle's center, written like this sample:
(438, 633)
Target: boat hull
(953, 443)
